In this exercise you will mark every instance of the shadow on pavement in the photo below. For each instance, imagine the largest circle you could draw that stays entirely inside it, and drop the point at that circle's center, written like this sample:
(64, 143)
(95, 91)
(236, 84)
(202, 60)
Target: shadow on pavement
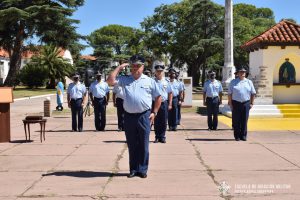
(204, 129)
(115, 141)
(209, 139)
(21, 141)
(85, 174)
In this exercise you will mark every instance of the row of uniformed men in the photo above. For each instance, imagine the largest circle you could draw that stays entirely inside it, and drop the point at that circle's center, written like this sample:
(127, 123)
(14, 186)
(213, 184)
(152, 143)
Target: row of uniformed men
(172, 92)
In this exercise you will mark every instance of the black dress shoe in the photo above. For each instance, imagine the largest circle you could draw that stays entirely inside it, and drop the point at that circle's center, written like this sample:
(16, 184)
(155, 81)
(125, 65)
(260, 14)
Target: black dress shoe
(131, 175)
(142, 175)
(80, 130)
(244, 138)
(156, 140)
(162, 140)
(237, 139)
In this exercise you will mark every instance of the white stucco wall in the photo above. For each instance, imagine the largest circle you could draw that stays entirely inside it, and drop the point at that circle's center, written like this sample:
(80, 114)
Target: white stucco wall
(67, 55)
(272, 58)
(4, 68)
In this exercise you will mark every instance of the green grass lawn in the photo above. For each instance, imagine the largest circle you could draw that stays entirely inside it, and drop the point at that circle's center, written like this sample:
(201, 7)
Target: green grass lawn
(20, 92)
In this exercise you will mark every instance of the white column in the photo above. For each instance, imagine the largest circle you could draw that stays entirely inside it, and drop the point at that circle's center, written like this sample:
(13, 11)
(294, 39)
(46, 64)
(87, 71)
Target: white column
(228, 68)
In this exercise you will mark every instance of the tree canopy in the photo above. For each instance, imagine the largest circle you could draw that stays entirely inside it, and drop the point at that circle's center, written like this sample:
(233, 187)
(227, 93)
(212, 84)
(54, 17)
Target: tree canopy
(47, 20)
(192, 32)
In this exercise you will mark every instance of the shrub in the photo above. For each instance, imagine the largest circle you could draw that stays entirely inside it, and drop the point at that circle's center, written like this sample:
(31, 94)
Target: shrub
(33, 76)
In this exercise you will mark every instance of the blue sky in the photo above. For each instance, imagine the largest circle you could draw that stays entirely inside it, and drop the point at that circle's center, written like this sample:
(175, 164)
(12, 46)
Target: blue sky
(97, 13)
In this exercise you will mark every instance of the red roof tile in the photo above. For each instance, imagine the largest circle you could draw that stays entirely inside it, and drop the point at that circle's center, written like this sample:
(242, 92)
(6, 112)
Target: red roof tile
(88, 57)
(27, 54)
(285, 33)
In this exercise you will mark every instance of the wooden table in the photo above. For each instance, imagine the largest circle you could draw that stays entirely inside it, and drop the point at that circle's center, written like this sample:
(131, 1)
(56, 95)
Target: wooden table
(42, 123)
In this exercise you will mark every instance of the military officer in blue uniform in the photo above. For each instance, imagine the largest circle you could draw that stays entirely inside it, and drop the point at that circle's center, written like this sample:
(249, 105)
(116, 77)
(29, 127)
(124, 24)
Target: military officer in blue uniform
(138, 91)
(241, 93)
(160, 122)
(76, 96)
(118, 103)
(212, 98)
(99, 94)
(176, 92)
(180, 97)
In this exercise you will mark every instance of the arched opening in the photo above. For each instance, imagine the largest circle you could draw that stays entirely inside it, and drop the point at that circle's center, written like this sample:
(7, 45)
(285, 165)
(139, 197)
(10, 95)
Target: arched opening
(287, 73)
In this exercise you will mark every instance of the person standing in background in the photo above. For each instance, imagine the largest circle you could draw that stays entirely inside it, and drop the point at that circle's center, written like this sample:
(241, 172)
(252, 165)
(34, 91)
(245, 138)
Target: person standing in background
(118, 103)
(99, 94)
(160, 122)
(212, 98)
(241, 93)
(76, 96)
(59, 95)
(180, 97)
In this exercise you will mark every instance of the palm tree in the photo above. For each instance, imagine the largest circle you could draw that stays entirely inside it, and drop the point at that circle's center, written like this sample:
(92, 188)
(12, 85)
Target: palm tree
(56, 66)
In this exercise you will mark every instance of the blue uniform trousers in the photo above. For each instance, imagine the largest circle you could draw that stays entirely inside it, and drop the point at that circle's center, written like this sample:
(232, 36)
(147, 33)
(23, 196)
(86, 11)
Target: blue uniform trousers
(77, 111)
(120, 113)
(100, 113)
(172, 115)
(160, 121)
(212, 105)
(240, 115)
(178, 113)
(137, 132)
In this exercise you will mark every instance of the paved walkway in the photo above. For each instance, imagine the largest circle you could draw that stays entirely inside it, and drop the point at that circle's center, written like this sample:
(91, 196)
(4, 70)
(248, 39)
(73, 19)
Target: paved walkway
(191, 165)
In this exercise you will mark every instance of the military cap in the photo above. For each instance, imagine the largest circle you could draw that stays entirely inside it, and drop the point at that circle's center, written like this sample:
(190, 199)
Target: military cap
(172, 70)
(137, 59)
(159, 67)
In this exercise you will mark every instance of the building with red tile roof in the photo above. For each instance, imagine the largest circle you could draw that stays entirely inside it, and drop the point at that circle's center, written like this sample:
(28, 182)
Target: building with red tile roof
(285, 33)
(274, 62)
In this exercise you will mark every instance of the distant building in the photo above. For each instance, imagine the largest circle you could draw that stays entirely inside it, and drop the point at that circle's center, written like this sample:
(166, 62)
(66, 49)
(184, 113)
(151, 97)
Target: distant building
(274, 62)
(26, 57)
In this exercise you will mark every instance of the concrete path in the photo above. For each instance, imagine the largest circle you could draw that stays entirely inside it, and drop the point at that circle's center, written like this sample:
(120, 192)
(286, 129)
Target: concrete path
(193, 164)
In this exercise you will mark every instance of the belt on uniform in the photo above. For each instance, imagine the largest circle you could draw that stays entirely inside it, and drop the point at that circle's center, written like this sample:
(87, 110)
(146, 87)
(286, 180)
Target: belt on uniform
(98, 98)
(76, 99)
(135, 114)
(175, 97)
(212, 97)
(242, 102)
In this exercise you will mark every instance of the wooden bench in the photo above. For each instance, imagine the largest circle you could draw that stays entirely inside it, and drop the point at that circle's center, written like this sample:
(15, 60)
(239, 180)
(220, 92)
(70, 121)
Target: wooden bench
(34, 120)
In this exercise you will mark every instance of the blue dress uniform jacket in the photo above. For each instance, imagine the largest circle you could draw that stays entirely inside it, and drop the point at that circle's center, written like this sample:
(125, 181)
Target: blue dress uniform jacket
(76, 92)
(241, 91)
(138, 93)
(212, 89)
(138, 96)
(99, 90)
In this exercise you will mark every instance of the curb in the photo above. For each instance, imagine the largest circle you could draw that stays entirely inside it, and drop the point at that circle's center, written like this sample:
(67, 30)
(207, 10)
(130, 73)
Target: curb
(33, 97)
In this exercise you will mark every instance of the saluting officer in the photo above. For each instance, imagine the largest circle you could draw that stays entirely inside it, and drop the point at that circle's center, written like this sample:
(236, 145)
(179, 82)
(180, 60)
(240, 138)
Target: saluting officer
(212, 98)
(138, 90)
(160, 122)
(176, 91)
(99, 93)
(241, 93)
(76, 96)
